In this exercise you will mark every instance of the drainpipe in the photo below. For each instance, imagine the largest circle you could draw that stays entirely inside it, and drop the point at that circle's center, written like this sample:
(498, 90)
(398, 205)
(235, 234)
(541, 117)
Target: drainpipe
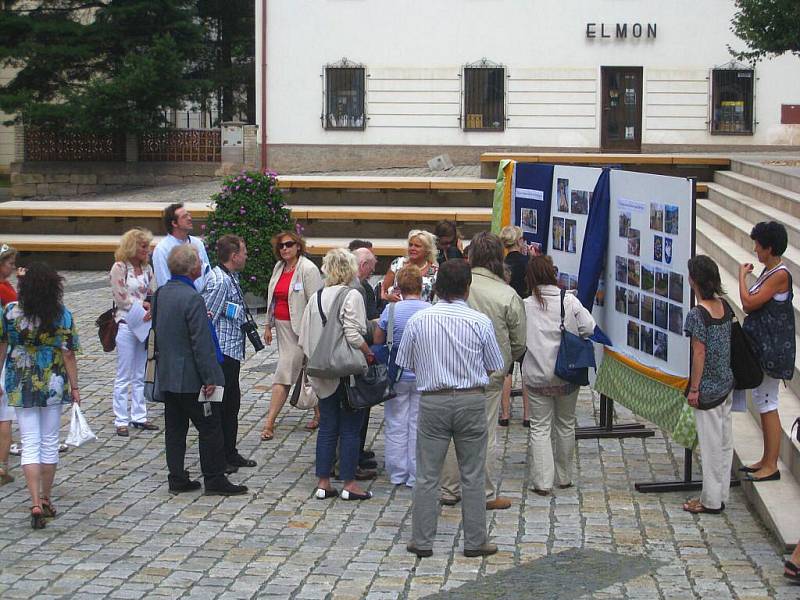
(263, 85)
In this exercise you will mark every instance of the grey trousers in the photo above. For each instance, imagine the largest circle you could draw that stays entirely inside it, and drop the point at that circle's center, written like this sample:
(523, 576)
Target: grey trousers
(460, 416)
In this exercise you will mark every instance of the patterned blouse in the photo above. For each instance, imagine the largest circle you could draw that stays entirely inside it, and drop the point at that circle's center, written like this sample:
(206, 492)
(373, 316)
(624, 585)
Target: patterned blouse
(428, 277)
(35, 372)
(127, 287)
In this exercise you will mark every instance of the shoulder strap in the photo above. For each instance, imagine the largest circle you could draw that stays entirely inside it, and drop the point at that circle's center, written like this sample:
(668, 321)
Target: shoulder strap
(563, 293)
(390, 327)
(153, 317)
(729, 310)
(319, 306)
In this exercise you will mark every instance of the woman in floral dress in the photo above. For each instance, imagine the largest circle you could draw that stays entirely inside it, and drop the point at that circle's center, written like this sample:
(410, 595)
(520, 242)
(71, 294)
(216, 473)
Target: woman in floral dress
(421, 254)
(38, 341)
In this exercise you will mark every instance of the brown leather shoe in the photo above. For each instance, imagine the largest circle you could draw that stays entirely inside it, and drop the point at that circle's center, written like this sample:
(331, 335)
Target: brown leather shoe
(484, 550)
(498, 503)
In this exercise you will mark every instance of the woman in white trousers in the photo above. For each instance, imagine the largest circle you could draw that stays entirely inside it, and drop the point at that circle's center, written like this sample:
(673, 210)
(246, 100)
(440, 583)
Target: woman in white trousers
(551, 400)
(132, 283)
(401, 412)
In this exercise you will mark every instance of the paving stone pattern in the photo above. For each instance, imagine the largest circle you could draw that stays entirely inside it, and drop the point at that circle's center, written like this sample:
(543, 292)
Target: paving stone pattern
(120, 534)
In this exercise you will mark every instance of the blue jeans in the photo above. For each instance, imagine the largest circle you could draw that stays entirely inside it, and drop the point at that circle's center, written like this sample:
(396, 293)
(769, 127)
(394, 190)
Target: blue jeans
(337, 425)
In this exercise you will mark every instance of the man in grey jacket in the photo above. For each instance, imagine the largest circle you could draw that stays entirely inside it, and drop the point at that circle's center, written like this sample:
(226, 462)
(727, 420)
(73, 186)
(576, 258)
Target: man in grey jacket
(188, 363)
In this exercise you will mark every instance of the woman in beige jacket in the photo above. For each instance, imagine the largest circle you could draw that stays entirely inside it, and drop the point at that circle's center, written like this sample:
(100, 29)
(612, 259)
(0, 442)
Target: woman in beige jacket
(552, 400)
(294, 280)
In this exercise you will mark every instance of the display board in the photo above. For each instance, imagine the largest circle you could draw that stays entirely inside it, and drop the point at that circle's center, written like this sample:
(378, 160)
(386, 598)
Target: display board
(571, 200)
(531, 201)
(650, 240)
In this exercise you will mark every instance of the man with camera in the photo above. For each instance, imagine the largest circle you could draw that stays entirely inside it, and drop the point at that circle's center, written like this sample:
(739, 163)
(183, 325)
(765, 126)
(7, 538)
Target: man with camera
(231, 319)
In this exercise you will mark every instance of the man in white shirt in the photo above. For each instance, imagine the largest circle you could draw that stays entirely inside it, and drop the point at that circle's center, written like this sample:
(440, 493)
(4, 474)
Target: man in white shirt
(452, 349)
(178, 223)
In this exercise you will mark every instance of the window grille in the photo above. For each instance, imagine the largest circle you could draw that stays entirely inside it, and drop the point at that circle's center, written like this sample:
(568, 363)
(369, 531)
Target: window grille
(732, 101)
(344, 97)
(484, 97)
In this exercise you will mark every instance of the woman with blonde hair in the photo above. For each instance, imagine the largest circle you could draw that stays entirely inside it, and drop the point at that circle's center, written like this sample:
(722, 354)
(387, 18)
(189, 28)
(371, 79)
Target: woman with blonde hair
(294, 280)
(132, 283)
(422, 254)
(339, 426)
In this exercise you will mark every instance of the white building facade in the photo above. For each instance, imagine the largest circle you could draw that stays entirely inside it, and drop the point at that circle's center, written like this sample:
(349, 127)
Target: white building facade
(370, 83)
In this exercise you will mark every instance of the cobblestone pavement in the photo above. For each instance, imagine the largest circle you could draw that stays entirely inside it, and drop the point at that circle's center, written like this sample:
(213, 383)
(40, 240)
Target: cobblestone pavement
(119, 533)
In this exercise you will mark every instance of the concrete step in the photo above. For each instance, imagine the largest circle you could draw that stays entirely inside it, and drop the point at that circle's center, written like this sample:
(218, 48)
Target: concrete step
(768, 173)
(752, 210)
(770, 194)
(738, 230)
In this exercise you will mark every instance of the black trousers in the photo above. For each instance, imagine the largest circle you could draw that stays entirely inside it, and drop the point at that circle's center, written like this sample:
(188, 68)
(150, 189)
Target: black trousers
(179, 409)
(231, 402)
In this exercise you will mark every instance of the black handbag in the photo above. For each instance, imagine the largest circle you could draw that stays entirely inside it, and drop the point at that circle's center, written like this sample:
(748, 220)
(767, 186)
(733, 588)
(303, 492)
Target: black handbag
(575, 355)
(370, 389)
(747, 373)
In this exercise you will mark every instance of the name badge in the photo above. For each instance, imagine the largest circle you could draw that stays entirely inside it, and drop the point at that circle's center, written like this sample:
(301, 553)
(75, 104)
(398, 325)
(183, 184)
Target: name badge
(232, 310)
(298, 286)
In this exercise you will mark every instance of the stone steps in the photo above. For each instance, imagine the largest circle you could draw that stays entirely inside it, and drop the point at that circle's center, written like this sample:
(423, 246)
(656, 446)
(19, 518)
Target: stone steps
(768, 174)
(770, 194)
(752, 211)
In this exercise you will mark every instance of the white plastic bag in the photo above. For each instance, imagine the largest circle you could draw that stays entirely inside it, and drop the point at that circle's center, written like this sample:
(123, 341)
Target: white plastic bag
(79, 430)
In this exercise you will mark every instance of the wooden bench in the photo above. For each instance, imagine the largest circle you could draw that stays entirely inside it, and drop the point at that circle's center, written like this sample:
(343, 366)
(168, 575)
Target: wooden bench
(320, 182)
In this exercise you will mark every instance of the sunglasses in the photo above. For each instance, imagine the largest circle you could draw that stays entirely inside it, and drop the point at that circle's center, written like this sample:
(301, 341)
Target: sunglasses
(289, 244)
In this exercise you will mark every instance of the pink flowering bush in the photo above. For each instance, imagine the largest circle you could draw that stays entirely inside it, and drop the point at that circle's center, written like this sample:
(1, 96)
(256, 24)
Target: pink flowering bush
(251, 206)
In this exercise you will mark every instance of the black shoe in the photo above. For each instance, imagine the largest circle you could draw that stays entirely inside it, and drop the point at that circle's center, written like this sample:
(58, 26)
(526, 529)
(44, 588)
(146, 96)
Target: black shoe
(241, 461)
(368, 463)
(774, 477)
(367, 454)
(411, 547)
(186, 486)
(746, 469)
(526, 423)
(449, 501)
(229, 468)
(502, 422)
(365, 474)
(225, 488)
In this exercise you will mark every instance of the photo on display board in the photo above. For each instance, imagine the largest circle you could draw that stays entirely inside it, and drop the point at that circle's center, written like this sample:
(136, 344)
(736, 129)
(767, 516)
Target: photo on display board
(668, 250)
(571, 239)
(671, 219)
(662, 282)
(633, 335)
(622, 269)
(660, 345)
(624, 224)
(634, 241)
(648, 308)
(563, 281)
(658, 248)
(562, 186)
(648, 278)
(535, 248)
(657, 217)
(580, 202)
(558, 233)
(600, 294)
(621, 300)
(647, 340)
(675, 287)
(676, 319)
(573, 282)
(633, 304)
(661, 314)
(529, 220)
(633, 272)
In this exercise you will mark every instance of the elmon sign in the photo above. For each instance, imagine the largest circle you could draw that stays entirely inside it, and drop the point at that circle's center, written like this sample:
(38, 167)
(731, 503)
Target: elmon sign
(620, 30)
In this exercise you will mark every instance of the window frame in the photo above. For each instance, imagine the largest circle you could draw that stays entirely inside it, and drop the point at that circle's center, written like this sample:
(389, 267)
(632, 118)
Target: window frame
(488, 66)
(714, 99)
(343, 64)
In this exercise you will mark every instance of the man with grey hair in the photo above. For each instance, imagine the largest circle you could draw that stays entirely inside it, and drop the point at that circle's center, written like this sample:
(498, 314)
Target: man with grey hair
(188, 370)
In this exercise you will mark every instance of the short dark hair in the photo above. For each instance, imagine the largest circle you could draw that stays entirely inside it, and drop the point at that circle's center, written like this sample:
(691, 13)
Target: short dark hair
(486, 250)
(772, 235)
(705, 274)
(356, 244)
(169, 215)
(227, 246)
(453, 280)
(446, 228)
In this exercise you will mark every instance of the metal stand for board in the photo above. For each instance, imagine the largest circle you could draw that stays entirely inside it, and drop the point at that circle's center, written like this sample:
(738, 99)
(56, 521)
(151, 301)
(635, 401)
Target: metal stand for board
(607, 428)
(685, 485)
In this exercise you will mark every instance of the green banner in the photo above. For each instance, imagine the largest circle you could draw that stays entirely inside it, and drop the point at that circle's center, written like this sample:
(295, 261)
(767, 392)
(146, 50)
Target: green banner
(497, 204)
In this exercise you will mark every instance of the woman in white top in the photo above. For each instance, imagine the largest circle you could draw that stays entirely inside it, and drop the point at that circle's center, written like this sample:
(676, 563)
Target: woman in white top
(769, 243)
(422, 254)
(552, 400)
(132, 282)
(338, 426)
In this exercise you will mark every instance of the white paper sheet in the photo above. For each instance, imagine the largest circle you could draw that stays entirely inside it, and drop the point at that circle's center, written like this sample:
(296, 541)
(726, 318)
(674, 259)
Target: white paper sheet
(215, 397)
(136, 323)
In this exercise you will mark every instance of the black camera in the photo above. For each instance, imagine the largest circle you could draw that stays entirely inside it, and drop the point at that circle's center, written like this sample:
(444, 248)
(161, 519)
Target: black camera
(250, 329)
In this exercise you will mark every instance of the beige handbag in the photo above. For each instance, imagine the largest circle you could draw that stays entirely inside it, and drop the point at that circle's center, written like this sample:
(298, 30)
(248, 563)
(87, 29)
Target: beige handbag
(302, 395)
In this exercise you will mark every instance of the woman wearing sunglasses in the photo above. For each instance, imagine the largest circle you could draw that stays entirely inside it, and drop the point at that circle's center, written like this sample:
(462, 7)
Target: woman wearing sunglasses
(294, 280)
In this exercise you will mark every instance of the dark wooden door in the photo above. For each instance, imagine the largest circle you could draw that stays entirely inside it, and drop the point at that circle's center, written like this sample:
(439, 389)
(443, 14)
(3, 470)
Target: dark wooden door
(621, 106)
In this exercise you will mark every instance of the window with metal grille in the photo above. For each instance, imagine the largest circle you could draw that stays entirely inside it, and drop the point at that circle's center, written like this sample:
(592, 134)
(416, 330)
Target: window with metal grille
(732, 101)
(484, 99)
(344, 98)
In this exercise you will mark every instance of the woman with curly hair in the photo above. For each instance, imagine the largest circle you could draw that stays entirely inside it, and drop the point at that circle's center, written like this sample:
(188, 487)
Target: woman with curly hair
(38, 341)
(422, 254)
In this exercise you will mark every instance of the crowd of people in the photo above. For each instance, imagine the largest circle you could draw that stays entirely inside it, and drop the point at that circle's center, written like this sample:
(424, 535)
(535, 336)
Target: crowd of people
(459, 319)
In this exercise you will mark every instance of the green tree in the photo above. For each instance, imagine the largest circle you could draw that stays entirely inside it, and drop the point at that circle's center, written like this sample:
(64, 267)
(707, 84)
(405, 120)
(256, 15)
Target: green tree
(768, 27)
(108, 65)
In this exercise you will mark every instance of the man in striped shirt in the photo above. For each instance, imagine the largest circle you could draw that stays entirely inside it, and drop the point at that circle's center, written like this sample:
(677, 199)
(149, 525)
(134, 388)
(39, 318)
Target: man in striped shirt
(451, 349)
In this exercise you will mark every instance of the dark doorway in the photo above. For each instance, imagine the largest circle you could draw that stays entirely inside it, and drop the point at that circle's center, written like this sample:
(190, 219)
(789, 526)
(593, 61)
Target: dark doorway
(621, 123)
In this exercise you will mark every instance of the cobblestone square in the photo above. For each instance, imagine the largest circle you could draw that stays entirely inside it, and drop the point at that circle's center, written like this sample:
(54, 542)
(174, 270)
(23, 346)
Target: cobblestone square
(120, 534)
